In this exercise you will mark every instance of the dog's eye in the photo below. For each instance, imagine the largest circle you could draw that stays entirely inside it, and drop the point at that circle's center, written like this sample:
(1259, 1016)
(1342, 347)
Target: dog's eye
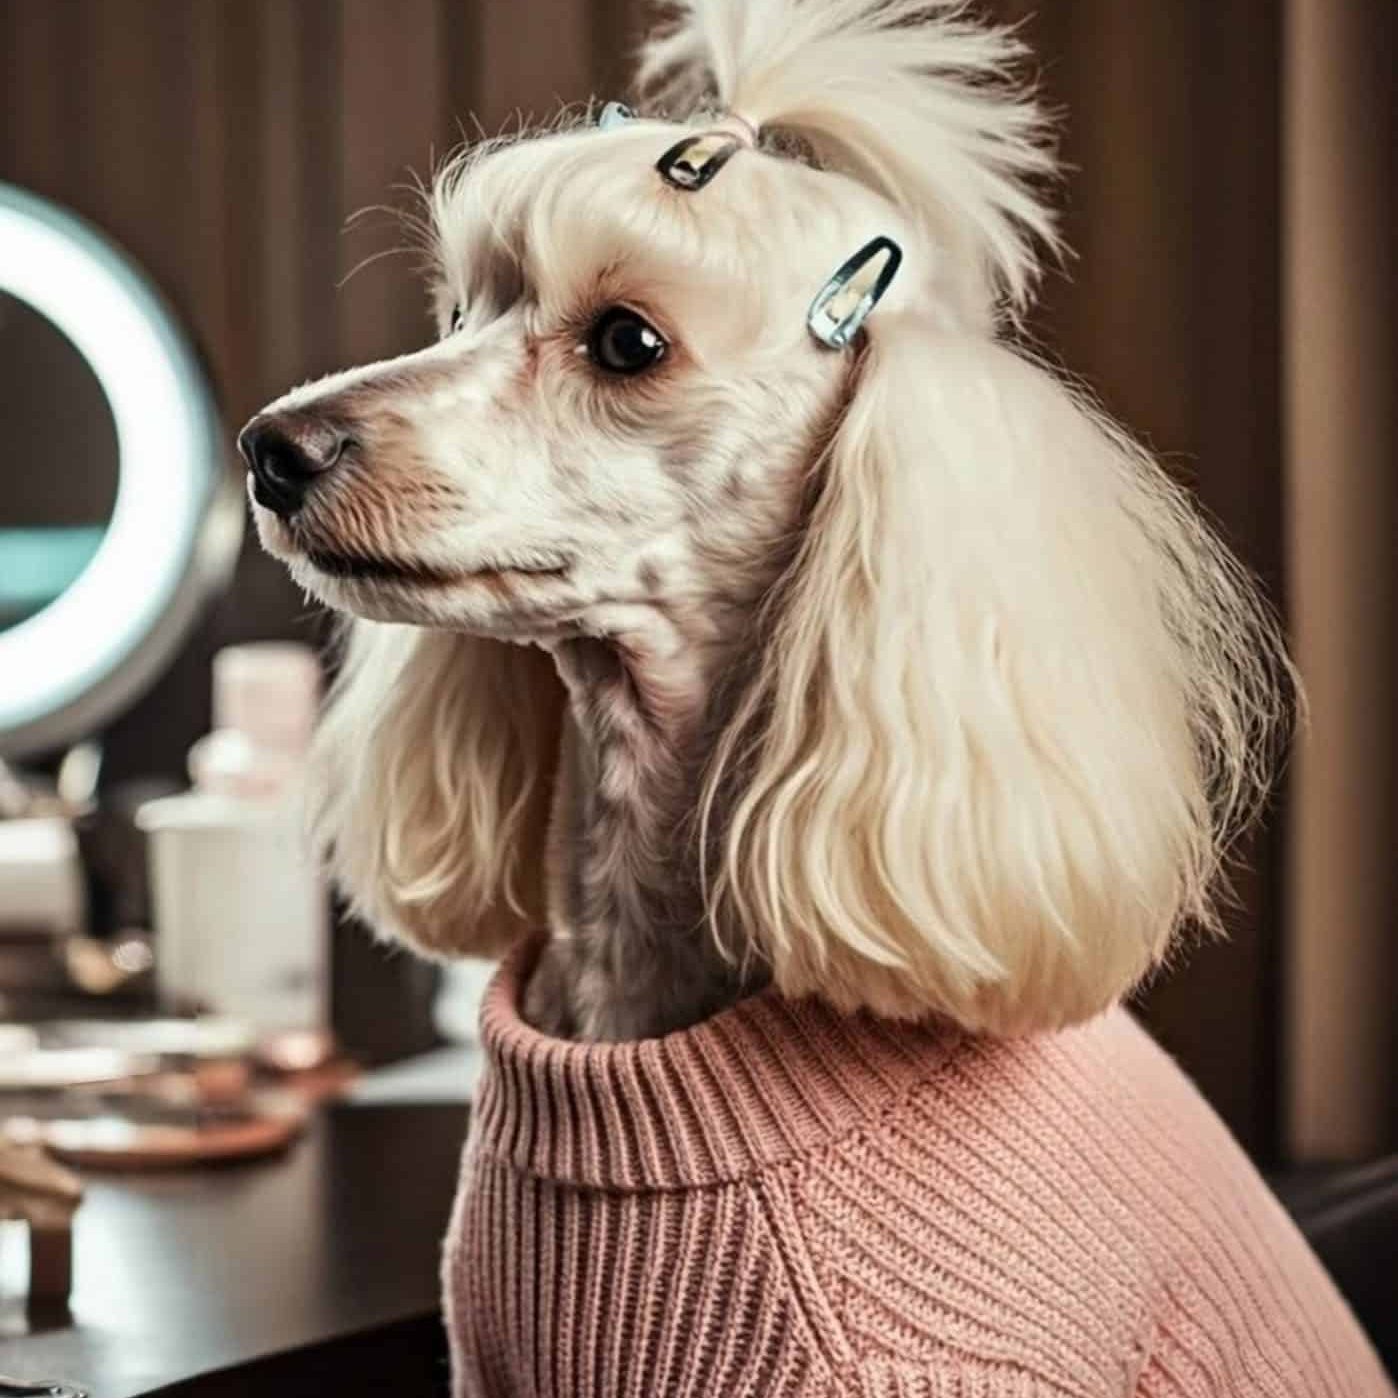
(458, 319)
(621, 342)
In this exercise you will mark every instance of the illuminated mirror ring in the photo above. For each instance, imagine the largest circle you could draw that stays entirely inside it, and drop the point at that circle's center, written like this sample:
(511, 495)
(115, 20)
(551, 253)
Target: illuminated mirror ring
(178, 516)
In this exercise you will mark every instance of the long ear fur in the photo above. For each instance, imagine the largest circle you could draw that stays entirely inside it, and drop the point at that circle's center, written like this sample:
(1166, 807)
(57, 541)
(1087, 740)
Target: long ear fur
(1015, 699)
(429, 785)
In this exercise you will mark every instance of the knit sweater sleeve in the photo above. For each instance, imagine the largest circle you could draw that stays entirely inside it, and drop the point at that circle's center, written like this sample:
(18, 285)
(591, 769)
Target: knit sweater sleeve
(981, 1240)
(875, 1328)
(1216, 1336)
(950, 1248)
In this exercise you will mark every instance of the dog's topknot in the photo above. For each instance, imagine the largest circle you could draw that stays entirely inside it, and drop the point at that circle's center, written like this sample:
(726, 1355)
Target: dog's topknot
(912, 98)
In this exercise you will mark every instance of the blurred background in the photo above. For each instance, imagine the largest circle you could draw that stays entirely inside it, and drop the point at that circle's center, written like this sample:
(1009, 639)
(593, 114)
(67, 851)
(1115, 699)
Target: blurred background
(1230, 201)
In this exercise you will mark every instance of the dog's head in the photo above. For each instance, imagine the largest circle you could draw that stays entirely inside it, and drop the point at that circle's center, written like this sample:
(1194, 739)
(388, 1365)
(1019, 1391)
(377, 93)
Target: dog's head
(1010, 697)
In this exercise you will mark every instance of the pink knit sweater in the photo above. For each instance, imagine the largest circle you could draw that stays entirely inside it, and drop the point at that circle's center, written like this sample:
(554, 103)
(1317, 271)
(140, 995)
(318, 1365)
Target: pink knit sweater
(783, 1201)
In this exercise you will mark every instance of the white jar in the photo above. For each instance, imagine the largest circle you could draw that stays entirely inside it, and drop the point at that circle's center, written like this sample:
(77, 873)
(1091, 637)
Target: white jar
(240, 912)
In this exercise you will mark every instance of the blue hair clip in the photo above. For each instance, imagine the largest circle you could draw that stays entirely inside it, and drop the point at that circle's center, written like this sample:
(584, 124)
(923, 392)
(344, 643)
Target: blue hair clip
(843, 304)
(614, 114)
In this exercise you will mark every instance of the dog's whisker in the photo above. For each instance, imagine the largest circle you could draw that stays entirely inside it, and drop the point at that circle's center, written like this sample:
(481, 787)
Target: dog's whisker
(368, 261)
(359, 215)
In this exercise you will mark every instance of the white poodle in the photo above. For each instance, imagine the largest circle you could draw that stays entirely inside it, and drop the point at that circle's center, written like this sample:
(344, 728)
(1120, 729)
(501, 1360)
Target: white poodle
(756, 632)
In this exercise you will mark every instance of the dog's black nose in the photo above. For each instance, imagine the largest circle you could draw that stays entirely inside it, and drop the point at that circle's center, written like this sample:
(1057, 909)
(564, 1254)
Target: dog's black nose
(285, 459)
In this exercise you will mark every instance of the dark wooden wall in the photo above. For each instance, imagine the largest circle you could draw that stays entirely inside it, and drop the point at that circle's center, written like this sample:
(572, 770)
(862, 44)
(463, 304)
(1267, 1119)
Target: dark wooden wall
(226, 142)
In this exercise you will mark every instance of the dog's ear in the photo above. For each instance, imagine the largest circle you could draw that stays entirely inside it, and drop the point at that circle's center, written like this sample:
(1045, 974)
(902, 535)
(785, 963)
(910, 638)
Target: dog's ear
(429, 785)
(1015, 698)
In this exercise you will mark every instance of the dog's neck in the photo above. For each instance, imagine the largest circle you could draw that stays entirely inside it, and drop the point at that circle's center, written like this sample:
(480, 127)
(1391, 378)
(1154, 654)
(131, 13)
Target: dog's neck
(630, 955)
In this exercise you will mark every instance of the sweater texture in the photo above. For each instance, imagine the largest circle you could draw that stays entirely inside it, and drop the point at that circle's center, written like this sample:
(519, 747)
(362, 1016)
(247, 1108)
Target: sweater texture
(785, 1202)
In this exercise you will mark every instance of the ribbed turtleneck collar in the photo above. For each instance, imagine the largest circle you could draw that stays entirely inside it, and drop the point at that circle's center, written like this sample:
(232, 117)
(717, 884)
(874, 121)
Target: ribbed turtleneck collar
(762, 1082)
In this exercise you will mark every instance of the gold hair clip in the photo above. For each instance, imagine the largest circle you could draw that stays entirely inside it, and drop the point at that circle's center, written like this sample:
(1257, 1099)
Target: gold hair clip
(843, 304)
(691, 163)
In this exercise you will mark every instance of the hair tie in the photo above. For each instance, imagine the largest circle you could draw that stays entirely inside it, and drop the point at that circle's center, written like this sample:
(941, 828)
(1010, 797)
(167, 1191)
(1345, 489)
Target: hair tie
(751, 128)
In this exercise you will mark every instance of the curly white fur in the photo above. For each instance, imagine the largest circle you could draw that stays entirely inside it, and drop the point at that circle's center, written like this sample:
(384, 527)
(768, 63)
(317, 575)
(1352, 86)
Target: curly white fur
(901, 677)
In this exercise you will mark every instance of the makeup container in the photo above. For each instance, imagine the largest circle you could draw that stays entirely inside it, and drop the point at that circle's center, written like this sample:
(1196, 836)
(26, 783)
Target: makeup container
(240, 911)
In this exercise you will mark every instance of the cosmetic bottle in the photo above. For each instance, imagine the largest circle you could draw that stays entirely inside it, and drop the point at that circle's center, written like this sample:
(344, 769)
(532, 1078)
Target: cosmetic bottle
(240, 911)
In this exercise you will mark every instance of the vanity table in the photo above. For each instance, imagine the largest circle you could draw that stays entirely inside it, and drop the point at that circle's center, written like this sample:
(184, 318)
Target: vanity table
(311, 1274)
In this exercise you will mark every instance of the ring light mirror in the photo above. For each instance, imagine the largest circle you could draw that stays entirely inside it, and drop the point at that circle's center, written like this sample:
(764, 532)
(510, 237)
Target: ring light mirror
(118, 515)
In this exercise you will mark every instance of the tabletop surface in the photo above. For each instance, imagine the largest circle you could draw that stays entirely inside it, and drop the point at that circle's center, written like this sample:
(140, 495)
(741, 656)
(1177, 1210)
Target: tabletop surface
(183, 1273)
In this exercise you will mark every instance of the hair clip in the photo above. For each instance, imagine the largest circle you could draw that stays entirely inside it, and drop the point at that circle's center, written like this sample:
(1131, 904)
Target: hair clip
(614, 114)
(843, 304)
(693, 162)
